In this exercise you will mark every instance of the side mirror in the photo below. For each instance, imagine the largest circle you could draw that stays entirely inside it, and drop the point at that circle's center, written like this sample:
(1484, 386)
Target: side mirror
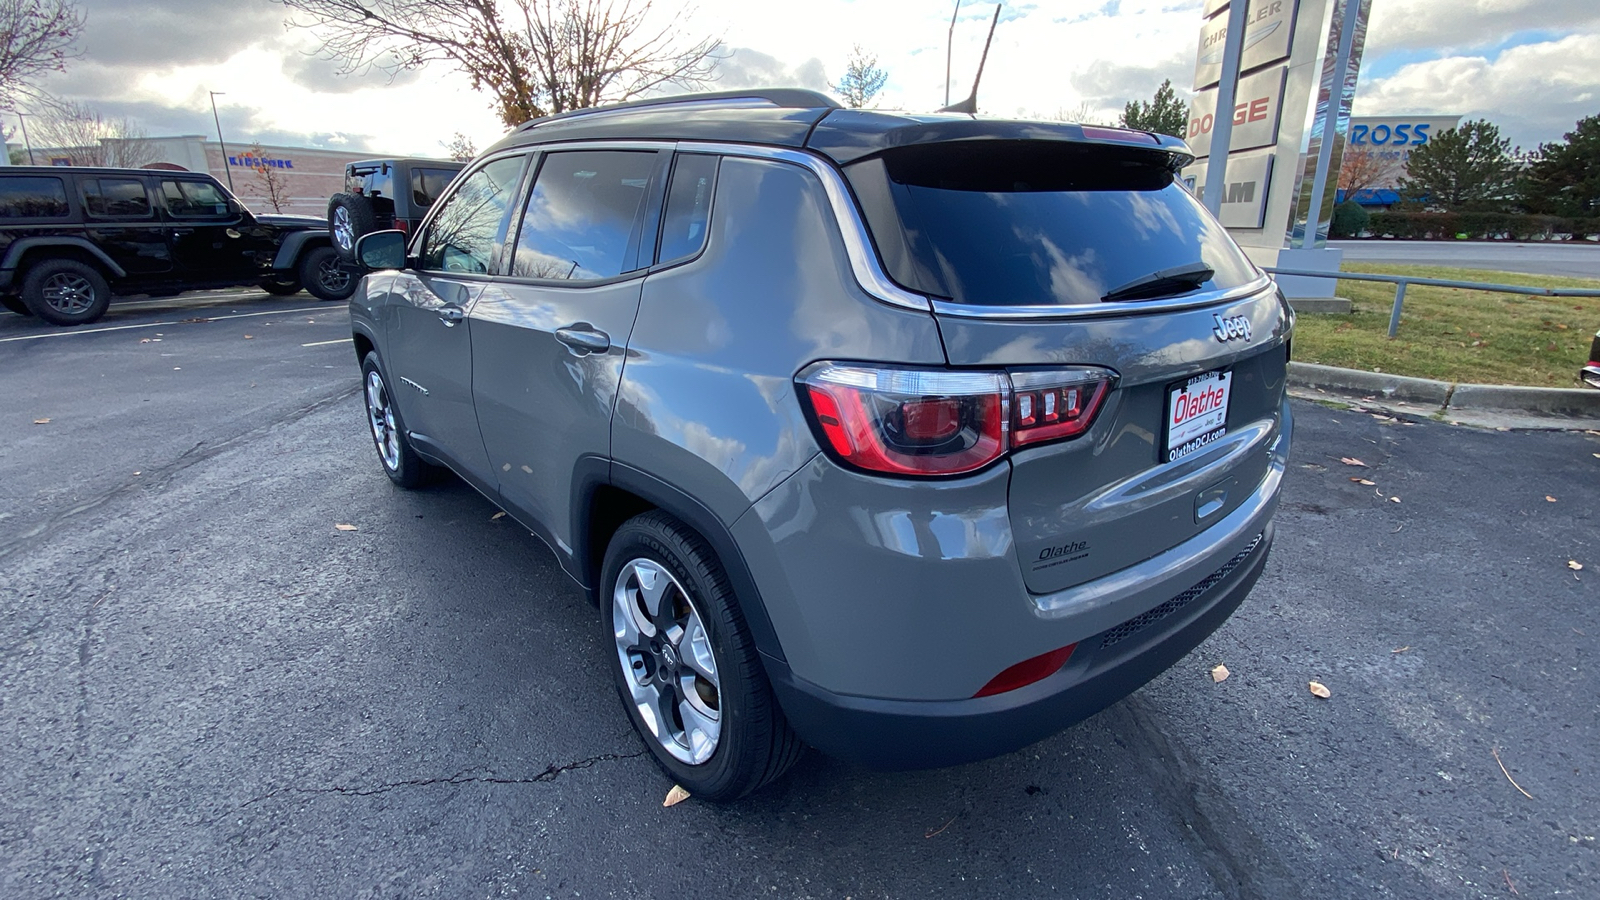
(382, 250)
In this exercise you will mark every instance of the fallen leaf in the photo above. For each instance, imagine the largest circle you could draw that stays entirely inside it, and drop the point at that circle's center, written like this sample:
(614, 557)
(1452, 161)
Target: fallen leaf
(1549, 498)
(1220, 673)
(1394, 499)
(41, 421)
(138, 473)
(1364, 481)
(1319, 690)
(249, 337)
(344, 527)
(675, 796)
(1352, 461)
(1401, 649)
(1574, 565)
(499, 515)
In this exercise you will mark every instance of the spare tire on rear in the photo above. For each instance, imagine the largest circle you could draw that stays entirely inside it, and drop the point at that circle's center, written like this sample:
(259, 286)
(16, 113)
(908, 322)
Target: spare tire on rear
(349, 217)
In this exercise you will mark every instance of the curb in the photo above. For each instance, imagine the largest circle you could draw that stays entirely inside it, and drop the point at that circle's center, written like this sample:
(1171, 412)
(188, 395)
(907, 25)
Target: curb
(1448, 397)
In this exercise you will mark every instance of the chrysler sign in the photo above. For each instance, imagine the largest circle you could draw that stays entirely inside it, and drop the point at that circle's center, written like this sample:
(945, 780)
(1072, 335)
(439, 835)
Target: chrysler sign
(1268, 35)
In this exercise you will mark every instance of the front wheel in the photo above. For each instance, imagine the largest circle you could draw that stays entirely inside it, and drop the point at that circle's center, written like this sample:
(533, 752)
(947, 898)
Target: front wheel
(324, 277)
(401, 463)
(66, 292)
(282, 287)
(685, 665)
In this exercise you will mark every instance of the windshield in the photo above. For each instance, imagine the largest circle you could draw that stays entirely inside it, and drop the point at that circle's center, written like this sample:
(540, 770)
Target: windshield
(1061, 224)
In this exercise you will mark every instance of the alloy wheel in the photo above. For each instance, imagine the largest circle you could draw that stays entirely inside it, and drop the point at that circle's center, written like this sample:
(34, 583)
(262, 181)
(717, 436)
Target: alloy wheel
(665, 653)
(332, 278)
(68, 293)
(381, 416)
(344, 233)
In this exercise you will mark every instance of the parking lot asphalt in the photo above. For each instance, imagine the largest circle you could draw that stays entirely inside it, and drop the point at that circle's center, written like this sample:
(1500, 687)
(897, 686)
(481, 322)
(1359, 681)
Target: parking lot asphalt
(209, 690)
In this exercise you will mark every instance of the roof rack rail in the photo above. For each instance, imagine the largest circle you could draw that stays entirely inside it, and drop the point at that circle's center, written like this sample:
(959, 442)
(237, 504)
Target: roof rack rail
(783, 98)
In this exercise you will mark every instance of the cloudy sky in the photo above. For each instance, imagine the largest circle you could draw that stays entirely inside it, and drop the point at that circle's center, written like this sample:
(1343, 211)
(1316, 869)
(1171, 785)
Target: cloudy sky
(1528, 65)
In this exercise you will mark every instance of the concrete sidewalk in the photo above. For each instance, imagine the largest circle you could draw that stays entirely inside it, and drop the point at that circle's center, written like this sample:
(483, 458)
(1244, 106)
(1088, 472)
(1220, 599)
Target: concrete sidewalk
(1487, 405)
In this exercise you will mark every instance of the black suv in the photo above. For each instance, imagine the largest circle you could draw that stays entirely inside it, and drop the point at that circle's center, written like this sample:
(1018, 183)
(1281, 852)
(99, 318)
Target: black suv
(71, 236)
(383, 194)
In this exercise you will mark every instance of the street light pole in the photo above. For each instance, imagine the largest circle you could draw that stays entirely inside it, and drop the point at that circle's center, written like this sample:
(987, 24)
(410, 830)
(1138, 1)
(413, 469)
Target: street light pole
(226, 170)
(21, 120)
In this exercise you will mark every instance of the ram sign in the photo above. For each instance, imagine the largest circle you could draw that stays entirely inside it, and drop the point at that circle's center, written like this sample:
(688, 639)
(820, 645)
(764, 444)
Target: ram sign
(1244, 198)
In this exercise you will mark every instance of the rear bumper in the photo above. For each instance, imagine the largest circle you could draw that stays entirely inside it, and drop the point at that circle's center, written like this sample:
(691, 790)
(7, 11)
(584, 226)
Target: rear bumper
(915, 734)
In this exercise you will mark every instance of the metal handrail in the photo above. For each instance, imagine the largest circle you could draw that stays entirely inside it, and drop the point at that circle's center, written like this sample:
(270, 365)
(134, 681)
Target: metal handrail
(1400, 283)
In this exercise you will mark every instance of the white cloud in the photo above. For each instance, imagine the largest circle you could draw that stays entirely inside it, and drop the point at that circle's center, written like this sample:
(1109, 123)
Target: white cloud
(1534, 92)
(1433, 24)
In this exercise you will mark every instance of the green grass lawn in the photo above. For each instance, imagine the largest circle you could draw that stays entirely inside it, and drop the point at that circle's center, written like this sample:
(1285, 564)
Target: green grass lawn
(1454, 335)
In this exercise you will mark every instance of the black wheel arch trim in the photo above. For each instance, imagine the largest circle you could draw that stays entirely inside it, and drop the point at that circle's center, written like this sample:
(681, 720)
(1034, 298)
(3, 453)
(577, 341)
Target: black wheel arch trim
(289, 251)
(592, 473)
(15, 252)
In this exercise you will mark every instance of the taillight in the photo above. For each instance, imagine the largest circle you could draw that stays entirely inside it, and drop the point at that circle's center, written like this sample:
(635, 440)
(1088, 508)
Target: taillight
(402, 226)
(1027, 672)
(944, 422)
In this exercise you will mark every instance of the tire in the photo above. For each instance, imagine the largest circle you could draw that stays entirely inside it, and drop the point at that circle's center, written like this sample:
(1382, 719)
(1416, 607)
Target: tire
(65, 292)
(15, 304)
(322, 275)
(714, 725)
(282, 287)
(401, 463)
(349, 217)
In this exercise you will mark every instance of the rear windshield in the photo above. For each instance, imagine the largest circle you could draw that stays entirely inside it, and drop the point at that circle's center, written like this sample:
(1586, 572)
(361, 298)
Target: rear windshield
(1035, 223)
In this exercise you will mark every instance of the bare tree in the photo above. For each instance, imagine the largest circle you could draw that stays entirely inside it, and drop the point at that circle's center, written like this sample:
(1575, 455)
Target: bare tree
(460, 147)
(1362, 168)
(862, 80)
(535, 57)
(269, 181)
(37, 37)
(86, 138)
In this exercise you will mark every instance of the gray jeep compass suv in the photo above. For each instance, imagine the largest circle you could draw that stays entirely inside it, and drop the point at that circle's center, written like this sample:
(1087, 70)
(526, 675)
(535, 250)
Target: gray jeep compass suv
(911, 438)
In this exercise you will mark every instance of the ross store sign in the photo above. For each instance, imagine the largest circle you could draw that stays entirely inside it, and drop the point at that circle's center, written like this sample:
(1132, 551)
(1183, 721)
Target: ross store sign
(1255, 115)
(1398, 131)
(1268, 35)
(1244, 200)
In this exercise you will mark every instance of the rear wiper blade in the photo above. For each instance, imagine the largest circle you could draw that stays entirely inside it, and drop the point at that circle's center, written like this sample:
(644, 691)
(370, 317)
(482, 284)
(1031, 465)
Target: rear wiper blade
(1164, 283)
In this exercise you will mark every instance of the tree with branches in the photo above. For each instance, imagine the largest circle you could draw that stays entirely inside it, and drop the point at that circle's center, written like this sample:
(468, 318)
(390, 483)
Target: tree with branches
(534, 57)
(1468, 168)
(1364, 168)
(269, 181)
(1164, 114)
(1563, 177)
(460, 148)
(862, 80)
(37, 37)
(86, 138)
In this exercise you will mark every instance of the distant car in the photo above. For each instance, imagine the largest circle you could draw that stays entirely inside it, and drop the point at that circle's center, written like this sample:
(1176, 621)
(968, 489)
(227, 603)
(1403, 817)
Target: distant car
(380, 194)
(1590, 374)
(70, 237)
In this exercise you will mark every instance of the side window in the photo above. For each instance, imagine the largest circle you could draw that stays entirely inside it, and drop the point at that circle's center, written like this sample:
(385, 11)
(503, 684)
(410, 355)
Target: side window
(116, 198)
(581, 214)
(195, 200)
(28, 197)
(688, 213)
(428, 184)
(465, 235)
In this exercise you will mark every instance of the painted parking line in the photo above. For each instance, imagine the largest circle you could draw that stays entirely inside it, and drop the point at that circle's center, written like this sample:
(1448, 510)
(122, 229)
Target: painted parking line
(326, 343)
(72, 331)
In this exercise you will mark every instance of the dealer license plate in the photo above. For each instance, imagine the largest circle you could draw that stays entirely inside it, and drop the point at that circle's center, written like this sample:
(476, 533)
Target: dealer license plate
(1197, 413)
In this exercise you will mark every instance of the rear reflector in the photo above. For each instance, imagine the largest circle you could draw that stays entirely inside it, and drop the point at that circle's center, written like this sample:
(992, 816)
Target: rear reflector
(1027, 672)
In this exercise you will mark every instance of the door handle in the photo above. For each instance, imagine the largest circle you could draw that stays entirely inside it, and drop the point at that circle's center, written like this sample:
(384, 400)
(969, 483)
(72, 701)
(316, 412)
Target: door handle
(451, 314)
(584, 338)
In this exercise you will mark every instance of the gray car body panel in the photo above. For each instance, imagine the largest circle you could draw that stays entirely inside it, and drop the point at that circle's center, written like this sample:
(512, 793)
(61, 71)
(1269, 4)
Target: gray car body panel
(708, 400)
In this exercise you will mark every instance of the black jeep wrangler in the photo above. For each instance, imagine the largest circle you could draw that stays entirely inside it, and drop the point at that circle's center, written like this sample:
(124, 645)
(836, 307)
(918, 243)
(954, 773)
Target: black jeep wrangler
(384, 194)
(70, 237)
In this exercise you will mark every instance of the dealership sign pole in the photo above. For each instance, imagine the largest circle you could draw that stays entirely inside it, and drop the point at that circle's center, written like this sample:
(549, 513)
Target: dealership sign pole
(1222, 129)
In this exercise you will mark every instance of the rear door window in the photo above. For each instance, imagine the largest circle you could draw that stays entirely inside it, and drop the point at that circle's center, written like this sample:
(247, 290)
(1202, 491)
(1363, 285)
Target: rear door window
(428, 184)
(688, 212)
(582, 219)
(116, 198)
(32, 197)
(1037, 223)
(194, 200)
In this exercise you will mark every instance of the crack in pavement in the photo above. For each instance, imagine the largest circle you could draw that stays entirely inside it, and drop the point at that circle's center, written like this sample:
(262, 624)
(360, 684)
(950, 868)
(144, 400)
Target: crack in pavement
(161, 477)
(549, 774)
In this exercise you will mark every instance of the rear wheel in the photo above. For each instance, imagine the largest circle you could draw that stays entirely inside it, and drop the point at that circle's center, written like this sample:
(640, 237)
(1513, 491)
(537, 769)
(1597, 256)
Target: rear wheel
(282, 287)
(401, 463)
(324, 277)
(349, 217)
(65, 292)
(685, 665)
